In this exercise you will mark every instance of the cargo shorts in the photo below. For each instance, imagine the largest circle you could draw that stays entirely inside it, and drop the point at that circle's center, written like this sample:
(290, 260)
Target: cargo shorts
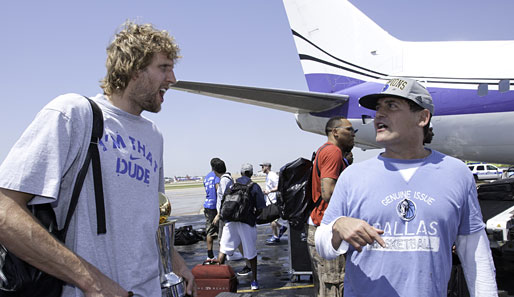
(210, 228)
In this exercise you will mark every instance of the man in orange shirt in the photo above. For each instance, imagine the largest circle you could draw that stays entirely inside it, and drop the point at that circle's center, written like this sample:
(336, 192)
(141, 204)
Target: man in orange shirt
(328, 275)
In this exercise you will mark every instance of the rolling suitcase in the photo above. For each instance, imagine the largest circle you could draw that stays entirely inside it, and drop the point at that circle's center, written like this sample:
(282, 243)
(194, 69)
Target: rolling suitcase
(212, 279)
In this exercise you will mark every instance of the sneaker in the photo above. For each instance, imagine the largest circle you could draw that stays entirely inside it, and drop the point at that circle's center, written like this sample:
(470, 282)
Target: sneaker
(272, 241)
(245, 271)
(254, 285)
(236, 256)
(282, 230)
(210, 260)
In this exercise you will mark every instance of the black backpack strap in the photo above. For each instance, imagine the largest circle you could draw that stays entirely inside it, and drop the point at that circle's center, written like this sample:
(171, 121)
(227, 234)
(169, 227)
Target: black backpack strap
(92, 154)
(316, 154)
(96, 135)
(315, 157)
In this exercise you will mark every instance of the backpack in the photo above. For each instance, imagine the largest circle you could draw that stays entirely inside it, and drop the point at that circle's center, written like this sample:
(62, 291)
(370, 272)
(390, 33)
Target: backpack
(236, 205)
(295, 188)
(18, 278)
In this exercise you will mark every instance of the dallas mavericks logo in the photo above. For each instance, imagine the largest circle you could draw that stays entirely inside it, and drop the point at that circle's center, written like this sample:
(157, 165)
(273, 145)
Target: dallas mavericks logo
(406, 209)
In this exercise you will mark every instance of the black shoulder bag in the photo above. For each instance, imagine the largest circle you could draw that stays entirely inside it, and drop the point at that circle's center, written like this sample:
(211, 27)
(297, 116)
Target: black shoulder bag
(18, 278)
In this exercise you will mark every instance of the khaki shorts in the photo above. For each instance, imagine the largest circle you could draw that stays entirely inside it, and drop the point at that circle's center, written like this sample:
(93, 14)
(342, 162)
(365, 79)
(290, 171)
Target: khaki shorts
(328, 275)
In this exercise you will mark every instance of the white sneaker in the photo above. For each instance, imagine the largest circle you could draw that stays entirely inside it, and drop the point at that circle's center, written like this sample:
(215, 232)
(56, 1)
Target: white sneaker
(235, 256)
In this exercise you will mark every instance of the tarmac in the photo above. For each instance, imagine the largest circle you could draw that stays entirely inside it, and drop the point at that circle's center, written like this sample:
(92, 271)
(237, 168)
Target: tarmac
(274, 272)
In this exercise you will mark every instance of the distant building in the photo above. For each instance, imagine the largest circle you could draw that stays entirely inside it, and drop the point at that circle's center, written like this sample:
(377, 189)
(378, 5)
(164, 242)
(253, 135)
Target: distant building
(186, 178)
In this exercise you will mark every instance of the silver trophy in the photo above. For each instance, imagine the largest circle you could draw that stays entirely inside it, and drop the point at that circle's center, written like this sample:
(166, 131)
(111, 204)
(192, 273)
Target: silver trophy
(172, 285)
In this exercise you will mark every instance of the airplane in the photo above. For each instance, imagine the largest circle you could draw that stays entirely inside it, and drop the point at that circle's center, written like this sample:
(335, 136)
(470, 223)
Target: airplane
(346, 55)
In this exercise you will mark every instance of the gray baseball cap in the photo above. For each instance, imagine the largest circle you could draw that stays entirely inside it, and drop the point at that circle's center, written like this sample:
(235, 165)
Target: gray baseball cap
(247, 167)
(405, 88)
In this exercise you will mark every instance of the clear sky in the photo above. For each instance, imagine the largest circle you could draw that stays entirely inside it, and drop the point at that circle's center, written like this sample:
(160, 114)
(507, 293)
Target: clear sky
(53, 47)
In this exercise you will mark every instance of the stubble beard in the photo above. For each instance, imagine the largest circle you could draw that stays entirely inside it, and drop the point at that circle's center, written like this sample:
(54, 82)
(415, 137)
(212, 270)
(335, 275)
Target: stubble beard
(146, 100)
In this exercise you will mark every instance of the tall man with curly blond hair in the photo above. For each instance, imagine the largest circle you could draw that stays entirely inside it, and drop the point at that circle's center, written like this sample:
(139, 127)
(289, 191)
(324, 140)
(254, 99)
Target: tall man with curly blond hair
(43, 164)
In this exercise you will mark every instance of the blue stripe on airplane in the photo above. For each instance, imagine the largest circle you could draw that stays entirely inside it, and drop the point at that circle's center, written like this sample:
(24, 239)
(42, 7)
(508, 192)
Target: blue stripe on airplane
(446, 101)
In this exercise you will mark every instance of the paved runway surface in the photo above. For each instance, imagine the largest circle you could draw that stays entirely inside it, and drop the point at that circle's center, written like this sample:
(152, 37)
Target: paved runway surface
(272, 261)
(189, 201)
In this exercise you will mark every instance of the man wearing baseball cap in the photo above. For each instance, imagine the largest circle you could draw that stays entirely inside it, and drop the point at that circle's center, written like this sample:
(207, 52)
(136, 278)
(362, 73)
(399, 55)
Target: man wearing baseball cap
(398, 215)
(270, 193)
(244, 232)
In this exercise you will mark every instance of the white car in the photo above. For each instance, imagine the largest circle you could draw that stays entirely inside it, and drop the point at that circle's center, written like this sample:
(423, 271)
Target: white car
(508, 173)
(485, 171)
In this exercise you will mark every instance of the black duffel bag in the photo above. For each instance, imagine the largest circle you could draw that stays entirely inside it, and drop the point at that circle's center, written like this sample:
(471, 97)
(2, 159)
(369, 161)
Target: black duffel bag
(268, 214)
(17, 278)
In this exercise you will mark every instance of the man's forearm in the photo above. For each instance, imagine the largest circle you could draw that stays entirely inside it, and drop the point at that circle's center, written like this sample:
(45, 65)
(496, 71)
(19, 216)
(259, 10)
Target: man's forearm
(325, 242)
(475, 255)
(327, 188)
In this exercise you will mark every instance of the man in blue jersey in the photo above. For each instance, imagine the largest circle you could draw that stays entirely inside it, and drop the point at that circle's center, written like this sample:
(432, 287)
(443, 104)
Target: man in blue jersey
(210, 183)
(397, 216)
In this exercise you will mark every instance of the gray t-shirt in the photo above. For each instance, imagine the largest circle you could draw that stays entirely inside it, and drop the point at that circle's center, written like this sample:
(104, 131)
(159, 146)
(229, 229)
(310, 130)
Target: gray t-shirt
(45, 162)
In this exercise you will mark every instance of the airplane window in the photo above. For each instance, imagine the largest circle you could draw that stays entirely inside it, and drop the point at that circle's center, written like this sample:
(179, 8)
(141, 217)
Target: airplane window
(482, 90)
(504, 85)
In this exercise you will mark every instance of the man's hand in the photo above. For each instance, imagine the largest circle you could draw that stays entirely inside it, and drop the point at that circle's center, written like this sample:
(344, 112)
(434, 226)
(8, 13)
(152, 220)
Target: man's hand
(180, 268)
(216, 219)
(190, 281)
(356, 232)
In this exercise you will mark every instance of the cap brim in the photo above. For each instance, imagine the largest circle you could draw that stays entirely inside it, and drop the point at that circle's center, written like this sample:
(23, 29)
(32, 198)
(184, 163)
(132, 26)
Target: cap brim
(370, 101)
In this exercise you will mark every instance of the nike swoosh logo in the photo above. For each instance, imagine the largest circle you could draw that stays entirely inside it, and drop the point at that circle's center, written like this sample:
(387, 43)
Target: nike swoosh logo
(133, 158)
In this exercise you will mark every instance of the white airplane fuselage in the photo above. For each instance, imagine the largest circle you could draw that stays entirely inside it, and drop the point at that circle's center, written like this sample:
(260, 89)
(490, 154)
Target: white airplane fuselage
(345, 55)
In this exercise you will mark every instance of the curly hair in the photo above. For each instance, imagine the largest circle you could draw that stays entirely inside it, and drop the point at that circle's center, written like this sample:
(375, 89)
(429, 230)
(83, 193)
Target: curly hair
(132, 50)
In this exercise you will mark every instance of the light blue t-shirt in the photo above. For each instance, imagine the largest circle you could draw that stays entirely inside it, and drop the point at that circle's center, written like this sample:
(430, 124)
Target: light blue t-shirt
(421, 217)
(209, 183)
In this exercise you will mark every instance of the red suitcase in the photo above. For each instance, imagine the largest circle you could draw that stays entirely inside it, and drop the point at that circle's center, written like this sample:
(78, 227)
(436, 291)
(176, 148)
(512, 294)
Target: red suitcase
(211, 279)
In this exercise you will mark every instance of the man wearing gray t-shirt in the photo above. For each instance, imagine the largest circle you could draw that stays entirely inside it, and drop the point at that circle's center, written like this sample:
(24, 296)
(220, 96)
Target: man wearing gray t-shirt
(43, 164)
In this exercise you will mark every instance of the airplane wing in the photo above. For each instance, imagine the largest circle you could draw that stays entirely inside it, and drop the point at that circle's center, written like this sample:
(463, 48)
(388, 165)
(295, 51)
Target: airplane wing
(285, 100)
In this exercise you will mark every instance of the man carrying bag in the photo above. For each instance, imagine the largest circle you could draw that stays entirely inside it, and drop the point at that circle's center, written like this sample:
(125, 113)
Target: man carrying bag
(43, 164)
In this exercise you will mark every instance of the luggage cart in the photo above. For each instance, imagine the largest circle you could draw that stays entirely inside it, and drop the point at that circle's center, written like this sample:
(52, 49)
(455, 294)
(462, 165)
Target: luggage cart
(299, 259)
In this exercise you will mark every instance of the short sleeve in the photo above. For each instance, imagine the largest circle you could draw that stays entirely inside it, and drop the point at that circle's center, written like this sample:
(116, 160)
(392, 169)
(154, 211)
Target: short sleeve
(330, 162)
(48, 148)
(37, 162)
